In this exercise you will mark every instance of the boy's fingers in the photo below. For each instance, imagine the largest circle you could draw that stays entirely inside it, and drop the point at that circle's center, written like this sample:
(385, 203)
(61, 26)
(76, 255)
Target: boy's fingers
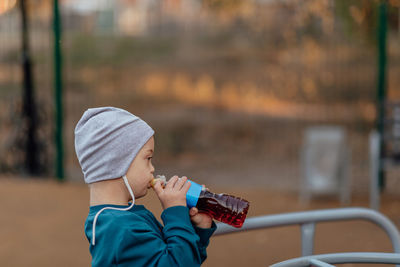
(171, 182)
(204, 187)
(158, 188)
(179, 184)
(186, 186)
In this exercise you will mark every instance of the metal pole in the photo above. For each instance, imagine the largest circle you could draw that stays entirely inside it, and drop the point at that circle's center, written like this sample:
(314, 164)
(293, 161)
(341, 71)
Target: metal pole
(318, 263)
(382, 84)
(29, 114)
(340, 258)
(307, 239)
(58, 92)
(374, 154)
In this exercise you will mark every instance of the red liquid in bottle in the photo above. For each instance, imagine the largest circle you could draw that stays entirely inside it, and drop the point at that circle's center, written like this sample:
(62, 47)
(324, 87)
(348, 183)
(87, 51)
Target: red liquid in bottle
(225, 208)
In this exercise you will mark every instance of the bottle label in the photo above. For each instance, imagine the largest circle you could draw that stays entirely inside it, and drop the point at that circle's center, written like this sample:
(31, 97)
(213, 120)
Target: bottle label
(192, 196)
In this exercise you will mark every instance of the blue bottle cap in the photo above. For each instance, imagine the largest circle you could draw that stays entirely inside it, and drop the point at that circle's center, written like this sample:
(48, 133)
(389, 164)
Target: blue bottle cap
(192, 196)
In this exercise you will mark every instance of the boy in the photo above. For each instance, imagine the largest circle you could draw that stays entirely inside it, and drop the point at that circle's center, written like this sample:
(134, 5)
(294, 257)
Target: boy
(114, 149)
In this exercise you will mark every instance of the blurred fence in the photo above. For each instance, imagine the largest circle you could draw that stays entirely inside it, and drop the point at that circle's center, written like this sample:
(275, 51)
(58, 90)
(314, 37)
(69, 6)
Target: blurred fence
(229, 86)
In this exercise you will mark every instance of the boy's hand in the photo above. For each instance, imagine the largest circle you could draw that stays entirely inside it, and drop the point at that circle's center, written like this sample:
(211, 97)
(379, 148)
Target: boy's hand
(174, 193)
(199, 219)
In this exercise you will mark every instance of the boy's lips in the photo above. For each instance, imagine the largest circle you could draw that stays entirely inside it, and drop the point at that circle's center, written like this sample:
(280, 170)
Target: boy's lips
(158, 178)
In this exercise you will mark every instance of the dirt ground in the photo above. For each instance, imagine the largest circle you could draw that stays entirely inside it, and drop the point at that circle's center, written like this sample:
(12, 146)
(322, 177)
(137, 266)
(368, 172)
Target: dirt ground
(42, 225)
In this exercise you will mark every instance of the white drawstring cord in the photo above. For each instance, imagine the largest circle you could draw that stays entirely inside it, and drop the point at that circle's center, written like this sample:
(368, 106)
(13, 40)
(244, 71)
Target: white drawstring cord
(112, 208)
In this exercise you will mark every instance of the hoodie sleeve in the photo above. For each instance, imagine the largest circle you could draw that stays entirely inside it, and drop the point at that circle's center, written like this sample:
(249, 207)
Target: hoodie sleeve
(204, 235)
(177, 244)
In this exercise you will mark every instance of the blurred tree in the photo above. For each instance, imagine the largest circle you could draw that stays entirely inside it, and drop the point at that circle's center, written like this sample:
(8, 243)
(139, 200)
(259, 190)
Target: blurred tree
(227, 9)
(223, 5)
(29, 142)
(359, 17)
(29, 109)
(6, 5)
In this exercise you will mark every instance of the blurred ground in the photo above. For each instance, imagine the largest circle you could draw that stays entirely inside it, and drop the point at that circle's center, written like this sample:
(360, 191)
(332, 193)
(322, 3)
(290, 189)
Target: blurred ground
(42, 225)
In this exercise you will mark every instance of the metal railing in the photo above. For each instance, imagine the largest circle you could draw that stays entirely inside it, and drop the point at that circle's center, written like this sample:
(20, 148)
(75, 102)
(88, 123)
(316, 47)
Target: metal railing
(307, 221)
(325, 260)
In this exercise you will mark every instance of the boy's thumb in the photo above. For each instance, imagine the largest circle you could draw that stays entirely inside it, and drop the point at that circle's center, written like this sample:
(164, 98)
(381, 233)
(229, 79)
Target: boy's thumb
(193, 211)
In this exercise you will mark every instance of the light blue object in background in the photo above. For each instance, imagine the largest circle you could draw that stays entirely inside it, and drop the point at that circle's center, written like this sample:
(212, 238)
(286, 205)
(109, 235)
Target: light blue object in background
(192, 196)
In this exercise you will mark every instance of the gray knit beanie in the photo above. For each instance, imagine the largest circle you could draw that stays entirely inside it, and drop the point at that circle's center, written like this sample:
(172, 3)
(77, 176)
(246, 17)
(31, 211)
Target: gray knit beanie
(107, 140)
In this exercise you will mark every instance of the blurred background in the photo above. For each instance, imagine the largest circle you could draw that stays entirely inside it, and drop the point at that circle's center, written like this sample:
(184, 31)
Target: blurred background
(238, 92)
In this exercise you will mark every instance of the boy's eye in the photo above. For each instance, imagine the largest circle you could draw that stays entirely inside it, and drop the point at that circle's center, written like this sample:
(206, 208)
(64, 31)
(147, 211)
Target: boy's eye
(149, 158)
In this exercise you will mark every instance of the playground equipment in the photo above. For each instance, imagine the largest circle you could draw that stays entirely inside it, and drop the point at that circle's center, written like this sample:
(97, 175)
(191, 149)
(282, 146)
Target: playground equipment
(325, 260)
(325, 162)
(307, 221)
(384, 150)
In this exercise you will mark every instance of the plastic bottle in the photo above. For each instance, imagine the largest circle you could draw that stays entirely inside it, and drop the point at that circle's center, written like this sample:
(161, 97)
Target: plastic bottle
(222, 207)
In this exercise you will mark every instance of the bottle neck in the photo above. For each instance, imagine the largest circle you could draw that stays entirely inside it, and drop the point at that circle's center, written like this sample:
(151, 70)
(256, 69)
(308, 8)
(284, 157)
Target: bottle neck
(207, 194)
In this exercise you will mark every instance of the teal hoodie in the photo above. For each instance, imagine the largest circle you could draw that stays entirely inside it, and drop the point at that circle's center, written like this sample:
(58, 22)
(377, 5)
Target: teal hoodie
(135, 238)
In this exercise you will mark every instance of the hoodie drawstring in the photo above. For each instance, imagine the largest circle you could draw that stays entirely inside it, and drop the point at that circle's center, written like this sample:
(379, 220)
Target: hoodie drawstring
(112, 208)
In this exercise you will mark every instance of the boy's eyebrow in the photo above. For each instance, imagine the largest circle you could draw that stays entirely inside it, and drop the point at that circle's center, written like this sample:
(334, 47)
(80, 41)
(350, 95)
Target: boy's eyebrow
(150, 150)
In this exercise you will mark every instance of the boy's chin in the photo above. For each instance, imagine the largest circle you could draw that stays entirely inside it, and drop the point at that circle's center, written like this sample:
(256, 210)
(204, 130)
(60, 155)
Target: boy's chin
(142, 194)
